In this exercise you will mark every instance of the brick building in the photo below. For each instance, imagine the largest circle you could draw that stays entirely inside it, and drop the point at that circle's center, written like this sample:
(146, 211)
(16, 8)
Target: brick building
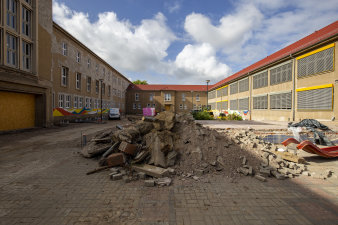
(175, 98)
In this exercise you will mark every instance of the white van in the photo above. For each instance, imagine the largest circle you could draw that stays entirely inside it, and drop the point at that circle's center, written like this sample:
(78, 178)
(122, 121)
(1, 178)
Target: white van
(114, 113)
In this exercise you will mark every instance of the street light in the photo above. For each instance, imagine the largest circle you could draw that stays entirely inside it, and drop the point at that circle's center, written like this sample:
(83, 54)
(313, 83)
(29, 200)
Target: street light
(192, 100)
(101, 81)
(207, 93)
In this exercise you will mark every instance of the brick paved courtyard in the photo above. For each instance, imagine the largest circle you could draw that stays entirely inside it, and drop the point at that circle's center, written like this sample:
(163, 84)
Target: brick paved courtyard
(43, 181)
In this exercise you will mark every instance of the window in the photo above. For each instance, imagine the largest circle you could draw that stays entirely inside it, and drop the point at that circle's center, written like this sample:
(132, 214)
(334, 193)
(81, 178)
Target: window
(281, 101)
(233, 88)
(61, 100)
(88, 63)
(181, 106)
(183, 97)
(148, 105)
(243, 85)
(64, 49)
(97, 84)
(78, 80)
(185, 106)
(109, 90)
(12, 50)
(96, 104)
(212, 94)
(76, 99)
(281, 74)
(103, 88)
(199, 107)
(197, 97)
(89, 84)
(151, 97)
(97, 67)
(316, 63)
(243, 104)
(11, 13)
(260, 80)
(90, 103)
(212, 105)
(78, 57)
(134, 105)
(222, 92)
(137, 96)
(64, 76)
(154, 105)
(26, 55)
(233, 104)
(194, 107)
(104, 71)
(139, 105)
(67, 103)
(260, 102)
(167, 97)
(315, 99)
(80, 102)
(26, 22)
(87, 103)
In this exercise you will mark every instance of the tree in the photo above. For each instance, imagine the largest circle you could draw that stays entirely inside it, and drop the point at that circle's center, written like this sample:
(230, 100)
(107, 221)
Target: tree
(140, 82)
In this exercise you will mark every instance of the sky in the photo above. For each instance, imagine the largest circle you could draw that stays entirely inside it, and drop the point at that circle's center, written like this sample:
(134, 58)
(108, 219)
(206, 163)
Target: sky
(189, 41)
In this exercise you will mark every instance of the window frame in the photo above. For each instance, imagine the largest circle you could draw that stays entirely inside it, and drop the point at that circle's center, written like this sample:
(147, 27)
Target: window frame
(64, 76)
(78, 79)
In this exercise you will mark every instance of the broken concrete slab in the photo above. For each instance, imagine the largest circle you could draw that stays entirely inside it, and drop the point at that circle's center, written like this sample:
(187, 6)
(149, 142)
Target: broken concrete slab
(164, 181)
(260, 177)
(149, 183)
(116, 176)
(150, 170)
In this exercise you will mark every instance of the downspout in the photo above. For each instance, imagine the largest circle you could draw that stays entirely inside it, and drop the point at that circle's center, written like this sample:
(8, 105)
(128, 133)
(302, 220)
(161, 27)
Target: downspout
(293, 88)
(250, 95)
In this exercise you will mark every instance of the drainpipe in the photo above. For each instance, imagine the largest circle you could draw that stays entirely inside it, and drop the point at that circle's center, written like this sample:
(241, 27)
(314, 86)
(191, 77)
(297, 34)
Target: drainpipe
(250, 96)
(293, 88)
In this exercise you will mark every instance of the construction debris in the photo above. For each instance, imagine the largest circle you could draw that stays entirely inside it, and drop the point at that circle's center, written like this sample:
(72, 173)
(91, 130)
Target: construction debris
(157, 148)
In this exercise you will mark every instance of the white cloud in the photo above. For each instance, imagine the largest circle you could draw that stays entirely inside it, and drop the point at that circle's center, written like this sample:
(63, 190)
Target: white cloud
(175, 7)
(125, 46)
(199, 62)
(231, 32)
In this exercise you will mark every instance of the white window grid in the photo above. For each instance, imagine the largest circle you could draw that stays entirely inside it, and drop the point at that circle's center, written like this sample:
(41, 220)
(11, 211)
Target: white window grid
(197, 97)
(26, 55)
(78, 57)
(64, 76)
(64, 49)
(134, 105)
(26, 21)
(61, 99)
(88, 63)
(181, 106)
(78, 80)
(167, 97)
(89, 84)
(75, 102)
(11, 13)
(67, 102)
(137, 97)
(12, 50)
(80, 102)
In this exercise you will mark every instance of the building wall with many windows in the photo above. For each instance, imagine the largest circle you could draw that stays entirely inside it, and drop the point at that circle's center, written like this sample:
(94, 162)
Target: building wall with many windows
(174, 98)
(81, 79)
(294, 83)
(24, 85)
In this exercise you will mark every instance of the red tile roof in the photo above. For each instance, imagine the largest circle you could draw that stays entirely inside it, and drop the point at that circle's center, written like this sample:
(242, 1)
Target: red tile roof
(307, 41)
(167, 87)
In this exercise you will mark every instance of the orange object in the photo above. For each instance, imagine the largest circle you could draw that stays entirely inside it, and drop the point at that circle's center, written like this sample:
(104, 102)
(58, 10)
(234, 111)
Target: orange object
(328, 152)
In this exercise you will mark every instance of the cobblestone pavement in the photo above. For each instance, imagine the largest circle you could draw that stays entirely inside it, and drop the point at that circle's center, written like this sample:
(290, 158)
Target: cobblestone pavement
(43, 181)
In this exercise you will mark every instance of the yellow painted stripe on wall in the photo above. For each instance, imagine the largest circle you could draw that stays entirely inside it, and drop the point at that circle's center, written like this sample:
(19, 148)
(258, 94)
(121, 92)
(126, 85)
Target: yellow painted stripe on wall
(317, 50)
(17, 110)
(222, 87)
(315, 87)
(223, 101)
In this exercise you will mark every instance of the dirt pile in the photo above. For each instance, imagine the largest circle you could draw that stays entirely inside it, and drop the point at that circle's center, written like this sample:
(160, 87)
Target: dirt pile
(175, 145)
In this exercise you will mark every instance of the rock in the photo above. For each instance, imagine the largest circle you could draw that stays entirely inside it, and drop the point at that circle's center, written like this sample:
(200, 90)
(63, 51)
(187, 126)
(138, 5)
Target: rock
(144, 127)
(115, 159)
(151, 170)
(197, 153)
(244, 160)
(141, 175)
(149, 183)
(164, 181)
(260, 177)
(244, 171)
(171, 171)
(277, 175)
(195, 178)
(199, 172)
(265, 172)
(305, 173)
(164, 121)
(171, 158)
(116, 176)
(126, 179)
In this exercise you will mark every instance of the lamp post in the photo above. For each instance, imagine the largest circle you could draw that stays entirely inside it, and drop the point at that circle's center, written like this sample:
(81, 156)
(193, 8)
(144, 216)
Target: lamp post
(101, 82)
(207, 93)
(192, 100)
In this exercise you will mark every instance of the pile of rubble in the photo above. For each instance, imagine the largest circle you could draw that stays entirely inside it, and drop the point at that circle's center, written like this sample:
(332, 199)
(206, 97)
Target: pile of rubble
(158, 148)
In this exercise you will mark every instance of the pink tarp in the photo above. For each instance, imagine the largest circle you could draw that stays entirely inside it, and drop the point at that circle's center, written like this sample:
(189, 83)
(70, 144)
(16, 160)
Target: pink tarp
(148, 111)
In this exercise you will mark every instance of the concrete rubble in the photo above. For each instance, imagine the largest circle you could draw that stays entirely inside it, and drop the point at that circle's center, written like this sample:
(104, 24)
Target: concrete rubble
(156, 149)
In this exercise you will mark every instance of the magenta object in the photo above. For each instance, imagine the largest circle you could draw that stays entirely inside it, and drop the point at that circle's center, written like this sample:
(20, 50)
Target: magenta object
(148, 111)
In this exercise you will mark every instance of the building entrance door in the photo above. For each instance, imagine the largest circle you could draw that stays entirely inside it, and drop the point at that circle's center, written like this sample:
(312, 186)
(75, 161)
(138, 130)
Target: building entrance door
(167, 107)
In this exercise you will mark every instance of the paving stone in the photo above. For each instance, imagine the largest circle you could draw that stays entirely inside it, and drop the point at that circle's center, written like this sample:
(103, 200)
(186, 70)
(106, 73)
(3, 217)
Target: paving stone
(117, 176)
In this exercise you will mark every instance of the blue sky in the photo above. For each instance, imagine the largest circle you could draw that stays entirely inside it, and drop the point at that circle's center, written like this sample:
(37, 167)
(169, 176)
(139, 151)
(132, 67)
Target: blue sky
(189, 41)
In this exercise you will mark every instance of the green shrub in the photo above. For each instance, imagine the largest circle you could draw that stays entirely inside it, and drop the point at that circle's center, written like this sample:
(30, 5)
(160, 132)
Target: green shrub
(202, 115)
(234, 116)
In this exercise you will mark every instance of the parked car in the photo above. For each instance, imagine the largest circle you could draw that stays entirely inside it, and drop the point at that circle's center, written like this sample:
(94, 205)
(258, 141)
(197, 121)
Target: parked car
(114, 113)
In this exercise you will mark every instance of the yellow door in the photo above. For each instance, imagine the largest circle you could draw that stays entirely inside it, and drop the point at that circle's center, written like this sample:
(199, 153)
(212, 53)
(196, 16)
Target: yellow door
(167, 107)
(17, 110)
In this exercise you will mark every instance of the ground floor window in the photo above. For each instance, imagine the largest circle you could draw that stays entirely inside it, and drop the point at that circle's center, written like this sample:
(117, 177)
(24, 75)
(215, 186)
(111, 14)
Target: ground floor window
(318, 99)
(260, 102)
